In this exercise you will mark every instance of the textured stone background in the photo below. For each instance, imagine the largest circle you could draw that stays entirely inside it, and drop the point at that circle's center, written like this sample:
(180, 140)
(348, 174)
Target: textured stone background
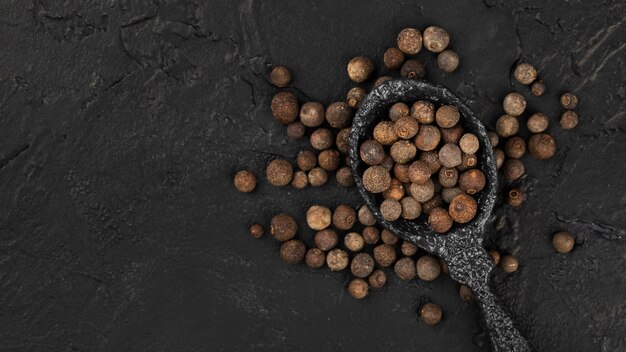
(123, 122)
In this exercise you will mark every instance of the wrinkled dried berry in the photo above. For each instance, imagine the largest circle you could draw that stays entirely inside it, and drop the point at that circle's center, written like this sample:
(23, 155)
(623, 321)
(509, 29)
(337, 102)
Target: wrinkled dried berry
(436, 39)
(312, 114)
(355, 96)
(377, 278)
(285, 107)
(447, 116)
(411, 208)
(306, 160)
(256, 230)
(408, 249)
(515, 197)
(385, 133)
(300, 180)
(317, 177)
(422, 192)
(403, 151)
(344, 177)
(463, 208)
(410, 41)
(283, 227)
(329, 159)
(393, 58)
(453, 134)
(423, 111)
(427, 138)
(279, 172)
(469, 143)
(318, 217)
(292, 251)
(506, 126)
(295, 130)
(509, 264)
(322, 138)
(354, 241)
(515, 147)
(525, 73)
(362, 265)
(371, 235)
(337, 259)
(395, 190)
(398, 110)
(357, 288)
(406, 127)
(450, 155)
(428, 268)
(376, 179)
(569, 120)
(513, 169)
(390, 209)
(569, 101)
(447, 61)
(430, 314)
(385, 255)
(542, 146)
(413, 69)
(245, 181)
(435, 202)
(315, 258)
(439, 220)
(344, 217)
(280, 76)
(405, 268)
(538, 88)
(537, 122)
(563, 242)
(514, 104)
(339, 114)
(360, 68)
(472, 181)
(366, 218)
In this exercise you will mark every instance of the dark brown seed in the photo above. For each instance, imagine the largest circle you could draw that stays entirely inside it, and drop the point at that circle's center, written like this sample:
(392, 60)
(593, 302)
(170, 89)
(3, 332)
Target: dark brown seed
(427, 138)
(366, 218)
(405, 268)
(344, 177)
(388, 237)
(432, 159)
(413, 69)
(283, 227)
(463, 208)
(410, 41)
(525, 73)
(300, 180)
(428, 268)
(408, 249)
(472, 181)
(354, 241)
(398, 110)
(322, 138)
(569, 120)
(317, 177)
(498, 154)
(569, 101)
(370, 235)
(279, 172)
(337, 259)
(449, 193)
(355, 96)
(509, 264)
(403, 151)
(563, 242)
(343, 141)
(411, 208)
(514, 104)
(447, 116)
(448, 61)
(344, 217)
(419, 172)
(430, 314)
(393, 58)
(422, 192)
(280, 76)
(468, 161)
(256, 230)
(382, 79)
(469, 143)
(436, 39)
(513, 169)
(372, 152)
(448, 177)
(315, 258)
(401, 172)
(506, 126)
(495, 256)
(515, 197)
(245, 181)
(377, 279)
(453, 134)
(493, 139)
(295, 130)
(385, 133)
(385, 255)
(362, 265)
(406, 127)
(360, 68)
(292, 251)
(423, 111)
(387, 163)
(376, 179)
(439, 220)
(538, 88)
(537, 122)
(466, 294)
(357, 288)
(541, 146)
(329, 159)
(515, 147)
(318, 217)
(339, 114)
(435, 202)
(395, 190)
(450, 155)
(390, 209)
(306, 160)
(312, 114)
(285, 107)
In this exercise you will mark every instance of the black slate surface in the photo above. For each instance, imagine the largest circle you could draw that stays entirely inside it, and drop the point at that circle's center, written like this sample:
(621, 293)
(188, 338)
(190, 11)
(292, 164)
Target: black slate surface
(123, 122)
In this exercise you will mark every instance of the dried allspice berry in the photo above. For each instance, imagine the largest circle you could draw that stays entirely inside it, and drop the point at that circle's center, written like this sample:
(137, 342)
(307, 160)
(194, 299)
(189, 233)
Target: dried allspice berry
(395, 190)
(498, 154)
(495, 256)
(428, 268)
(312, 114)
(453, 134)
(385, 255)
(513, 169)
(245, 181)
(292, 251)
(326, 239)
(376, 179)
(280, 76)
(306, 160)
(285, 107)
(538, 88)
(427, 138)
(466, 294)
(408, 249)
(542, 146)
(279, 172)
(436, 39)
(439, 220)
(377, 279)
(411, 208)
(468, 161)
(472, 181)
(362, 265)
(448, 61)
(450, 155)
(283, 227)
(410, 41)
(382, 79)
(448, 176)
(256, 230)
(423, 111)
(515, 147)
(295, 130)
(390, 209)
(354, 241)
(525, 73)
(357, 288)
(360, 68)
(403, 151)
(342, 141)
(447, 116)
(569, 120)
(387, 163)
(318, 217)
(384, 133)
(493, 138)
(401, 172)
(413, 69)
(337, 259)
(435, 202)
(463, 208)
(393, 58)
(431, 158)
(329, 159)
(372, 152)
(315, 258)
(398, 110)
(317, 177)
(422, 192)
(469, 143)
(419, 172)
(449, 193)
(344, 177)
(339, 114)
(515, 197)
(514, 104)
(569, 101)
(430, 314)
(406, 127)
(322, 138)
(300, 180)
(405, 268)
(355, 96)
(563, 242)
(388, 237)
(366, 218)
(537, 122)
(507, 126)
(371, 235)
(509, 264)
(344, 217)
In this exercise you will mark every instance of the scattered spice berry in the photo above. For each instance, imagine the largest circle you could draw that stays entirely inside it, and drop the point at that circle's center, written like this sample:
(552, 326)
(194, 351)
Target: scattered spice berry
(469, 143)
(280, 76)
(450, 155)
(354, 241)
(381, 80)
(514, 104)
(355, 96)
(493, 138)
(292, 251)
(377, 278)
(538, 88)
(398, 110)
(390, 209)
(498, 154)
(428, 268)
(439, 220)
(256, 230)
(405, 268)
(472, 181)
(495, 256)
(447, 116)
(430, 314)
(342, 141)
(279, 172)
(366, 218)
(448, 176)
(300, 180)
(411, 208)
(449, 193)
(339, 114)
(513, 169)
(403, 151)
(408, 249)
(315, 258)
(385, 255)
(447, 61)
(463, 208)
(406, 127)
(306, 160)
(326, 239)
(322, 138)
(435, 202)
(436, 39)
(295, 130)
(245, 181)
(537, 122)
(515, 147)
(515, 197)
(388, 237)
(317, 177)
(569, 120)
(344, 217)
(362, 265)
(453, 134)
(393, 58)
(569, 101)
(329, 159)
(357, 288)
(344, 177)
(385, 133)
(542, 146)
(422, 192)
(285, 107)
(423, 111)
(318, 217)
(395, 190)
(525, 73)
(312, 114)
(376, 179)
(370, 235)
(419, 172)
(466, 294)
(431, 158)
(387, 163)
(372, 152)
(337, 259)
(410, 41)
(360, 68)
(413, 69)
(427, 138)
(509, 264)
(563, 242)
(283, 227)
(507, 126)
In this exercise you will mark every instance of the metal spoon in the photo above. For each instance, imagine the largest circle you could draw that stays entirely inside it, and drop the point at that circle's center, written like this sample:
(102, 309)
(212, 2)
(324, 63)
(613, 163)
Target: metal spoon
(462, 247)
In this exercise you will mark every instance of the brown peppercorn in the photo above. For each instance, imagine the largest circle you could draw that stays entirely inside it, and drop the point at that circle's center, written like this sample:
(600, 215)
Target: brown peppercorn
(515, 147)
(245, 181)
(390, 209)
(342, 141)
(377, 278)
(468, 161)
(285, 107)
(344, 177)
(317, 177)
(405, 268)
(439, 220)
(315, 258)
(322, 138)
(448, 61)
(472, 181)
(431, 158)
(423, 111)
(450, 155)
(306, 160)
(408, 249)
(355, 96)
(569, 120)
(339, 114)
(401, 172)
(422, 192)
(463, 208)
(410, 41)
(384, 133)
(469, 143)
(509, 264)
(542, 146)
(344, 217)
(283, 227)
(362, 265)
(413, 69)
(382, 79)
(435, 202)
(354, 241)
(395, 190)
(515, 197)
(403, 151)
(453, 134)
(498, 154)
(447, 116)
(256, 230)
(495, 256)
(376, 179)
(411, 208)
(449, 193)
(279, 172)
(295, 130)
(506, 126)
(406, 127)
(514, 104)
(430, 314)
(525, 73)
(428, 268)
(329, 159)
(563, 242)
(388, 237)
(436, 39)
(372, 152)
(398, 110)
(387, 163)
(537, 122)
(357, 288)
(300, 180)
(538, 88)
(569, 101)
(370, 235)
(318, 217)
(312, 114)
(419, 172)
(280, 76)
(360, 68)
(448, 176)
(292, 251)
(337, 259)
(493, 138)
(385, 255)
(513, 169)
(466, 294)
(393, 58)
(427, 138)
(366, 218)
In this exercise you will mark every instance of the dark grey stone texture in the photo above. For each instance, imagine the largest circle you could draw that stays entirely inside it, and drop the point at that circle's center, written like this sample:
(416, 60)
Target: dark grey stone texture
(122, 124)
